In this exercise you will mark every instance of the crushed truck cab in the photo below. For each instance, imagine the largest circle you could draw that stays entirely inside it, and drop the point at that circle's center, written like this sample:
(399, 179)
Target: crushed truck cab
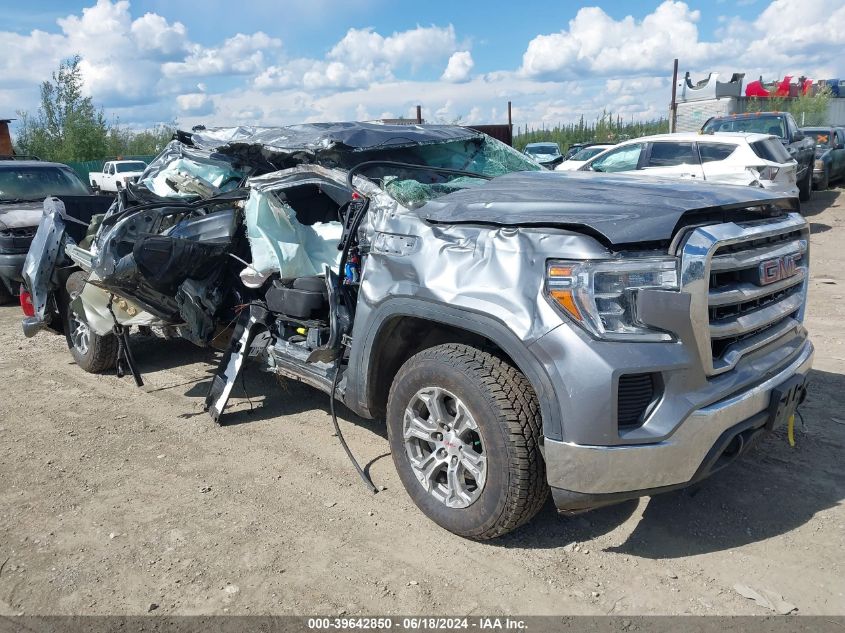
(521, 332)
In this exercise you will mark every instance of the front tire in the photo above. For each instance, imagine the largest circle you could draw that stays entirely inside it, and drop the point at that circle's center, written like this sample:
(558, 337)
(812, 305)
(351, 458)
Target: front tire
(805, 187)
(92, 352)
(464, 429)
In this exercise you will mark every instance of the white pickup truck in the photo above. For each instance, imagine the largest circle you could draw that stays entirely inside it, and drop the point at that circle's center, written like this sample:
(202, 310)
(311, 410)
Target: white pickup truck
(115, 175)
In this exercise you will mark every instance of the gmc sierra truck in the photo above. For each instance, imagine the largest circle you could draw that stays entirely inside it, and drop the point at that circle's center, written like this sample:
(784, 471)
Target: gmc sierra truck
(593, 336)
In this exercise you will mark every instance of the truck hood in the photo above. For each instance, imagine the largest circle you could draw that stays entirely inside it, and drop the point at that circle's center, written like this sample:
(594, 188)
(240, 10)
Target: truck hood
(616, 208)
(17, 215)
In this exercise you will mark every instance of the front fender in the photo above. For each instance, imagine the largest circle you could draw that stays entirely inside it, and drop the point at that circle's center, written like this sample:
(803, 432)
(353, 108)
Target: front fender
(366, 346)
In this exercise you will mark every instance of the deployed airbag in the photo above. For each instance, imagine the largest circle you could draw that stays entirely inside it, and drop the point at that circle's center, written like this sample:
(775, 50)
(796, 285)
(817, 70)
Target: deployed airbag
(280, 243)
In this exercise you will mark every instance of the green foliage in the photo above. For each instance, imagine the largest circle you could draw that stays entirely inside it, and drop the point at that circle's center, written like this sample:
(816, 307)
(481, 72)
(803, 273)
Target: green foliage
(807, 109)
(607, 128)
(68, 127)
(124, 142)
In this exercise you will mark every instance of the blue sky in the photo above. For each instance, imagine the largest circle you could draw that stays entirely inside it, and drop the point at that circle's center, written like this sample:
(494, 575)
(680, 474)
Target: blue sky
(264, 62)
(499, 32)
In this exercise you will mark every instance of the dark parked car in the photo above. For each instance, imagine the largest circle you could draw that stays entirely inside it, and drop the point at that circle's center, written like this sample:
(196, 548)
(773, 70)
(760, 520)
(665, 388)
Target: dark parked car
(23, 186)
(781, 124)
(830, 154)
(574, 149)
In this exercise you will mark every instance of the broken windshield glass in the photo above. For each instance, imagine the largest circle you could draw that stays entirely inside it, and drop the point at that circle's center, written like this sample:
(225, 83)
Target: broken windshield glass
(414, 187)
(182, 172)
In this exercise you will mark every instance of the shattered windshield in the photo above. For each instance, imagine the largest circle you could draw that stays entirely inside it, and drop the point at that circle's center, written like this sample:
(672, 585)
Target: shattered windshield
(37, 183)
(181, 171)
(414, 187)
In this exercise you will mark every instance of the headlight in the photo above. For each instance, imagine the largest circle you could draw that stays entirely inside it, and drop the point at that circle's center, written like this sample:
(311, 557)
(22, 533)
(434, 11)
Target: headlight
(601, 296)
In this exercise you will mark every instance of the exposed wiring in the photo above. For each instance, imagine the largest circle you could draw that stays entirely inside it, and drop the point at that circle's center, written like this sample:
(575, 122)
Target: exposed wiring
(346, 245)
(238, 309)
(364, 477)
(243, 386)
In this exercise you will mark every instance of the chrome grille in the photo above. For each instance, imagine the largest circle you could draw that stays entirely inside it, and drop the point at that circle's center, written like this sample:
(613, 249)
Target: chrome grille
(24, 232)
(747, 283)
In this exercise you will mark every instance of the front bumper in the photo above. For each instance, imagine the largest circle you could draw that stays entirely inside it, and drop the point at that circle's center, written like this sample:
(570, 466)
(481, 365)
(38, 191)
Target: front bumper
(584, 476)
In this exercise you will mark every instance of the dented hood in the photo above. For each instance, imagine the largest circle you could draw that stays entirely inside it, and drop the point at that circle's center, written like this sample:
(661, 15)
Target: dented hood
(16, 215)
(621, 209)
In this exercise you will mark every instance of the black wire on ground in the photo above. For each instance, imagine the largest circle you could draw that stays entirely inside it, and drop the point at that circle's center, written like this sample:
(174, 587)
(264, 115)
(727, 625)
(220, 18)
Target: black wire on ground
(243, 386)
(367, 481)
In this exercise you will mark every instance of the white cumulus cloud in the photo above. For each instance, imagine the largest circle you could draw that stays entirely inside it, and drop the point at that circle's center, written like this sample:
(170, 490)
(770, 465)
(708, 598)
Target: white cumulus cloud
(459, 67)
(195, 103)
(238, 55)
(596, 44)
(364, 47)
(145, 68)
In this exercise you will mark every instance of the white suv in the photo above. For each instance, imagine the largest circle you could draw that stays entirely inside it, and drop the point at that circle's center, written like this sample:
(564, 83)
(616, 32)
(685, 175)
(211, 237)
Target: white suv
(756, 160)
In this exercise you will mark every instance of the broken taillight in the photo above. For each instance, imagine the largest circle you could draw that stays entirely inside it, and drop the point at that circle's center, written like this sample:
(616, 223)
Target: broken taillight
(26, 303)
(766, 173)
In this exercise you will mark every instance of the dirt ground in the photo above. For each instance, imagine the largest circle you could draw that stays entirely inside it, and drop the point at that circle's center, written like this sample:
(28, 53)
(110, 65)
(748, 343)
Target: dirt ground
(114, 498)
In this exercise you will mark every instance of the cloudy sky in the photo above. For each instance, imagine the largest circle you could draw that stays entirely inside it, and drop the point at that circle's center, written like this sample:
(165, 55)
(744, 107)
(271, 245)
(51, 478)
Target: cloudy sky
(277, 61)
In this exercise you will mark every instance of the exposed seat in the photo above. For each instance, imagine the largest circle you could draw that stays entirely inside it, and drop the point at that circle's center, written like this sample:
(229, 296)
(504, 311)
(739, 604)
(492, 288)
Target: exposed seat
(301, 298)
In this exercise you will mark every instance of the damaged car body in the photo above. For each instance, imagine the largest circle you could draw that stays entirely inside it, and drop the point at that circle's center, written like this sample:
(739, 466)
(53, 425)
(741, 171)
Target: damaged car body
(592, 335)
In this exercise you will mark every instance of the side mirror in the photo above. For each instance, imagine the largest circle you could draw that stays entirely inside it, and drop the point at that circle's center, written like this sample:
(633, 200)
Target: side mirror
(798, 136)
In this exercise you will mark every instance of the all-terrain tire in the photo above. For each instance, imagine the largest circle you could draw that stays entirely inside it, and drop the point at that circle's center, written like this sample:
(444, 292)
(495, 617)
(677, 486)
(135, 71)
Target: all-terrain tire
(99, 354)
(505, 408)
(805, 187)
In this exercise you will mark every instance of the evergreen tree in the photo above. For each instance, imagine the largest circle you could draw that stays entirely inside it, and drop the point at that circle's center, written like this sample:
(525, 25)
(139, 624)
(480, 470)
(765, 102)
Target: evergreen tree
(68, 127)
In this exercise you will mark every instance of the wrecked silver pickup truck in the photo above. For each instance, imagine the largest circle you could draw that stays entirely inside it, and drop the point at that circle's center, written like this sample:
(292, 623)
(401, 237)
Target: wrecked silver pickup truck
(593, 335)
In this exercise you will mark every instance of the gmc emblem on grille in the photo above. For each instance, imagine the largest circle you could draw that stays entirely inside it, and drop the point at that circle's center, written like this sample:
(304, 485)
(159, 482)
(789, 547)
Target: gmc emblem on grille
(773, 270)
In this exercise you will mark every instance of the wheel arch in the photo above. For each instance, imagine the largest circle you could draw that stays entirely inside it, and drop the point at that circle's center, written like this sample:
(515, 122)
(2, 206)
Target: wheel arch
(400, 328)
